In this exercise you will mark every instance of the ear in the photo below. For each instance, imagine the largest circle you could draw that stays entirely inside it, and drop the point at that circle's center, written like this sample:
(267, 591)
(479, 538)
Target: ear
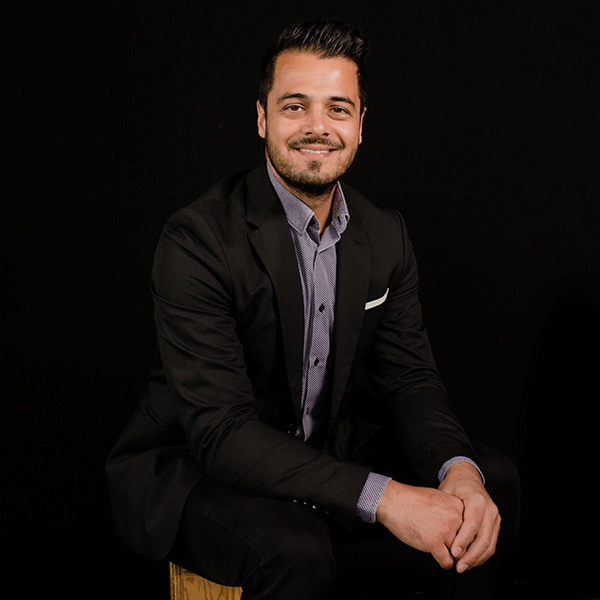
(262, 120)
(360, 125)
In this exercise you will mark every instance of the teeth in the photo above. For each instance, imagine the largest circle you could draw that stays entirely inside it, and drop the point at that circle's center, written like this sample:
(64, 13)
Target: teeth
(314, 151)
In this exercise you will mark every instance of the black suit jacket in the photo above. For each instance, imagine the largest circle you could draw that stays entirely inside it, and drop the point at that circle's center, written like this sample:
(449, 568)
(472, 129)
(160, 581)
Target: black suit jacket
(224, 398)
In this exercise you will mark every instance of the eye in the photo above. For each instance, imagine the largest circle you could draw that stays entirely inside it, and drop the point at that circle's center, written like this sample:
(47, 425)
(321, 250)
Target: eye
(293, 107)
(339, 111)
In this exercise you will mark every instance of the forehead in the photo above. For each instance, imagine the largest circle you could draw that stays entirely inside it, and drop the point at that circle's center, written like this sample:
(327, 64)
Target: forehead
(309, 74)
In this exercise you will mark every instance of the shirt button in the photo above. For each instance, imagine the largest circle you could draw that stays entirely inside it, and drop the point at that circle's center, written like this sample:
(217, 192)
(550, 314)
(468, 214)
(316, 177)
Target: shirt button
(321, 308)
(316, 362)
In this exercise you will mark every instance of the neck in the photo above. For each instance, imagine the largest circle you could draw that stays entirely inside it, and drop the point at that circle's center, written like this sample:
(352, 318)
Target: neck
(320, 203)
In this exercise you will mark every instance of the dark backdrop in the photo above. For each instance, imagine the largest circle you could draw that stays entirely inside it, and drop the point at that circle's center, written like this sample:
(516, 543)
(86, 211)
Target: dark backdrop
(482, 129)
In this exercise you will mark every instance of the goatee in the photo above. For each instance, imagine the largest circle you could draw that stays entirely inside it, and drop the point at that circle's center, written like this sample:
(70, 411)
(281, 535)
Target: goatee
(308, 182)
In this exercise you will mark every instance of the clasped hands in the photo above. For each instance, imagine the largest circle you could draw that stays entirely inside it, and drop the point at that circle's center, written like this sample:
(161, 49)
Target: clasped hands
(458, 524)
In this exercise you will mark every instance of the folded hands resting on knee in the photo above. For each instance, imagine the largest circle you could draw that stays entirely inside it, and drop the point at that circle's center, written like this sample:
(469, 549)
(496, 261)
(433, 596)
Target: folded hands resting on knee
(458, 524)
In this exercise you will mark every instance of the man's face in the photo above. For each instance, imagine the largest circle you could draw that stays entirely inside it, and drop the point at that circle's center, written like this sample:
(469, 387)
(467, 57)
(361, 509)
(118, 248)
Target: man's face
(313, 123)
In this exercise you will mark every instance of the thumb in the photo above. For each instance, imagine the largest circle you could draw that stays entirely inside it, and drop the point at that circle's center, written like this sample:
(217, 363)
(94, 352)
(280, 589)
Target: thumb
(457, 551)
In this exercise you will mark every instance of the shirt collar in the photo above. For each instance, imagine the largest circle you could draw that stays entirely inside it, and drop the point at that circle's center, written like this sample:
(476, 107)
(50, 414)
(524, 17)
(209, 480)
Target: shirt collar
(299, 215)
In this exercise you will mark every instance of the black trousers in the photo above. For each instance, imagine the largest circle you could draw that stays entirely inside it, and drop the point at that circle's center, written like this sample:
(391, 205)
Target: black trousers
(278, 549)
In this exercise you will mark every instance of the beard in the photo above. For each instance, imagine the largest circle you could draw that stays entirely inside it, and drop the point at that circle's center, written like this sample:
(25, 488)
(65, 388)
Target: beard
(310, 181)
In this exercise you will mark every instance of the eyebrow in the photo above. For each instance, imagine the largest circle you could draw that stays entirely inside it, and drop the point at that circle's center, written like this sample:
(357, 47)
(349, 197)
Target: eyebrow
(301, 96)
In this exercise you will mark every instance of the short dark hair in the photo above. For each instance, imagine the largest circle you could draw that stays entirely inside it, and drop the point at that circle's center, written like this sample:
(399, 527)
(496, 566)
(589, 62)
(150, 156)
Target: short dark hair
(327, 38)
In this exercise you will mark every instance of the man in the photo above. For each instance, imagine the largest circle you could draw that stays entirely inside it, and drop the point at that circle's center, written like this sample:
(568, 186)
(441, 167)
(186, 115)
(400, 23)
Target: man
(288, 325)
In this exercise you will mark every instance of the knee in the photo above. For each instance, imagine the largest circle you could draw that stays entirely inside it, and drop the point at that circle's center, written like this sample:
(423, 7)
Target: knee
(495, 465)
(308, 556)
(501, 473)
(302, 558)
(503, 485)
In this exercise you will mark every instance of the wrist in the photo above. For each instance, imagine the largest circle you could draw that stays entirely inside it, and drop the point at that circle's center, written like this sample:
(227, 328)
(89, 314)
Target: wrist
(459, 460)
(394, 496)
(385, 502)
(463, 469)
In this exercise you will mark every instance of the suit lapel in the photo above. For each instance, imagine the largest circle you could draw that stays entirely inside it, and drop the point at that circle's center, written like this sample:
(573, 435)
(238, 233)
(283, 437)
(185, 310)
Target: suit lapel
(353, 277)
(270, 237)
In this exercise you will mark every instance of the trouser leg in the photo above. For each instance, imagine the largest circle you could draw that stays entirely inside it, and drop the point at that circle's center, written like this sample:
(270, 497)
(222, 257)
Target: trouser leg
(272, 548)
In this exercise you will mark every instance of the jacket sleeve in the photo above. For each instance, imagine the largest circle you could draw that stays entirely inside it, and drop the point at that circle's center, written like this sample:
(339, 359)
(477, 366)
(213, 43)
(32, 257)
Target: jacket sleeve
(404, 374)
(203, 360)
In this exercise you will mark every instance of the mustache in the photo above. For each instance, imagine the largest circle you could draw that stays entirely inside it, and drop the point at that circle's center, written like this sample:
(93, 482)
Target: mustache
(315, 140)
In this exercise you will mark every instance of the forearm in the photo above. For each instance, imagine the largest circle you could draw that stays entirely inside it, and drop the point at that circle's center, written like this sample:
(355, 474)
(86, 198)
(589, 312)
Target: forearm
(267, 461)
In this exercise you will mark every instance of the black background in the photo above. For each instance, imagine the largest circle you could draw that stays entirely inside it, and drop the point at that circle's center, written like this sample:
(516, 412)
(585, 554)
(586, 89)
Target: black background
(482, 129)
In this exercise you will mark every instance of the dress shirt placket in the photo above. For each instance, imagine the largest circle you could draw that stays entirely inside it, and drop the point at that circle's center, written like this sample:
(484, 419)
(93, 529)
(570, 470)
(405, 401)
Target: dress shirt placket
(319, 310)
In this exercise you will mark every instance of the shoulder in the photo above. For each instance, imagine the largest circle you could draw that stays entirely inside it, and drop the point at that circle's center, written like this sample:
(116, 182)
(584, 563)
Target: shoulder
(220, 197)
(219, 209)
(378, 222)
(242, 200)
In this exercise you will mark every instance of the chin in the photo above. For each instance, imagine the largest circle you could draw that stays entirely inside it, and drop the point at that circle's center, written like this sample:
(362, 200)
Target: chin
(311, 186)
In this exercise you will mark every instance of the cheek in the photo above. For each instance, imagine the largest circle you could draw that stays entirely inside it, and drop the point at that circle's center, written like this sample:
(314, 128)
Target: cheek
(285, 131)
(357, 137)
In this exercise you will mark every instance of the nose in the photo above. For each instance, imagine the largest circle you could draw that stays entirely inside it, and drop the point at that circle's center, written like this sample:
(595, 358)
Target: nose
(316, 122)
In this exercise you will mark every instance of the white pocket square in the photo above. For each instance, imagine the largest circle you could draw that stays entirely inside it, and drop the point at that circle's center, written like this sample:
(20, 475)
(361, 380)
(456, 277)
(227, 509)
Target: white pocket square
(377, 302)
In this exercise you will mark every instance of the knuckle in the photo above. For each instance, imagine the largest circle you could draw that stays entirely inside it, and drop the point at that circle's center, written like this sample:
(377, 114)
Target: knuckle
(458, 503)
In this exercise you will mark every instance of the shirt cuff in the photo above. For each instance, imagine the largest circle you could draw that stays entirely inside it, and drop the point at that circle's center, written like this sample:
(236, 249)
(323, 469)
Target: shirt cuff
(370, 496)
(442, 472)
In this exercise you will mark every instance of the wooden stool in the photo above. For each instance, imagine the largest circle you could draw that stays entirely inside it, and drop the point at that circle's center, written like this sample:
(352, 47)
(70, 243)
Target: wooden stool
(186, 585)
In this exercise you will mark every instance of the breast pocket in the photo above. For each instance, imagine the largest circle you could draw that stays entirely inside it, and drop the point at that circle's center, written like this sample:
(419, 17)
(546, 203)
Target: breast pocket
(371, 304)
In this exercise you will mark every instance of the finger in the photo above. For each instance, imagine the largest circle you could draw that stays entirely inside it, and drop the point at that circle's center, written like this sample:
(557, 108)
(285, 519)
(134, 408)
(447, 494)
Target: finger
(482, 548)
(464, 538)
(443, 557)
(467, 532)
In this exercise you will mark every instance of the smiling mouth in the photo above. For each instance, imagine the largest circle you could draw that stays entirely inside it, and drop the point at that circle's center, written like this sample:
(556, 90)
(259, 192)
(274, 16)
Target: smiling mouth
(309, 151)
(317, 147)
